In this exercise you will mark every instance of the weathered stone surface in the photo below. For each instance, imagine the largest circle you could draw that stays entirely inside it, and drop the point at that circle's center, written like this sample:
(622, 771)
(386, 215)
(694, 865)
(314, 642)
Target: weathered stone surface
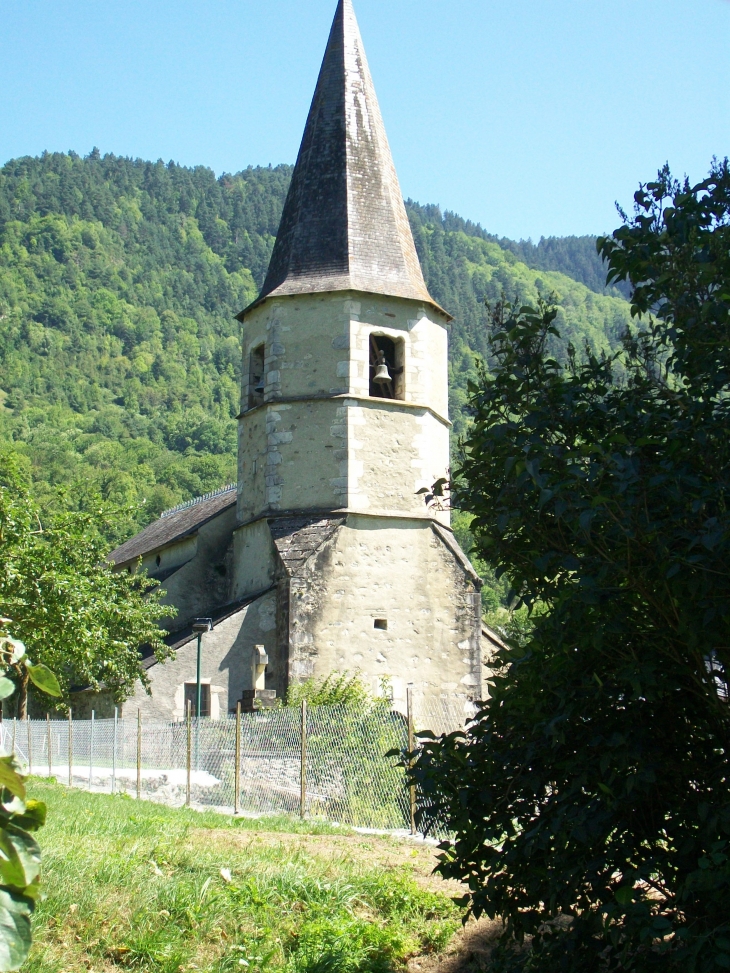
(320, 441)
(298, 538)
(227, 664)
(410, 575)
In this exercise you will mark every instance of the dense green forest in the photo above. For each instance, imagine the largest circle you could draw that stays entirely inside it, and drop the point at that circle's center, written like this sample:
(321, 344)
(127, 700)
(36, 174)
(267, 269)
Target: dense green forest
(574, 256)
(119, 282)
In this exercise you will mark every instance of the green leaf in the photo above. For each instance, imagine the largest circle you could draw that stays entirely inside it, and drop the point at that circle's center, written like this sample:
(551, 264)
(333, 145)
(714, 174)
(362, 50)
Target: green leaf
(15, 937)
(15, 648)
(10, 805)
(33, 891)
(10, 779)
(662, 924)
(33, 817)
(20, 856)
(44, 679)
(625, 895)
(7, 687)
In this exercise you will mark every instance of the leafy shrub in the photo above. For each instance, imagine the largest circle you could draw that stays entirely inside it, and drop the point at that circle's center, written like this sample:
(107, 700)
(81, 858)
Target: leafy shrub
(591, 797)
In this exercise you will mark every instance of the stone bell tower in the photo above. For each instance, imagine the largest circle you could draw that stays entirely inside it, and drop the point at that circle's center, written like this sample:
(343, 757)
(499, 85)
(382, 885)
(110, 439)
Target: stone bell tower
(345, 418)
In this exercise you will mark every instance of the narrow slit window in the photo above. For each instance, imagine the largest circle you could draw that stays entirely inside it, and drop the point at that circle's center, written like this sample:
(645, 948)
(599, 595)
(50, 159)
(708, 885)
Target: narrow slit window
(387, 372)
(256, 377)
(381, 624)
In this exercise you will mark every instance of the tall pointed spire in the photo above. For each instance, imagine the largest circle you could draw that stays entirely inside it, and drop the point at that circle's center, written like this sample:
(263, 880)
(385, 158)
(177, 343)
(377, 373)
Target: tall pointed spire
(344, 225)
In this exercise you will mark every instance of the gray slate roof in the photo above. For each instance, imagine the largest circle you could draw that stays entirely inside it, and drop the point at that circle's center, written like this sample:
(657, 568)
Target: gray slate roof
(173, 527)
(176, 640)
(491, 635)
(298, 538)
(344, 225)
(451, 542)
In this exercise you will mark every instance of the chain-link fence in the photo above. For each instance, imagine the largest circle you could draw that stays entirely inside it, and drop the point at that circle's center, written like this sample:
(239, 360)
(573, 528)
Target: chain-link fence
(325, 761)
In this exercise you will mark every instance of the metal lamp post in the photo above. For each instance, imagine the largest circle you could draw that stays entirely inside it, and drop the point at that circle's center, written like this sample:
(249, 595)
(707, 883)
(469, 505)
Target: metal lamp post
(200, 626)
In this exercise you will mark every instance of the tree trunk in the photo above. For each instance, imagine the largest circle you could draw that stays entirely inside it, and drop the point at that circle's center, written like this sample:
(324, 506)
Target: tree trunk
(23, 693)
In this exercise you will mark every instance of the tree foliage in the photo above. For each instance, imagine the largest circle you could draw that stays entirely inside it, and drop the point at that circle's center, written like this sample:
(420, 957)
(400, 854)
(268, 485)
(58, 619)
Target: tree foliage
(336, 689)
(591, 797)
(20, 864)
(20, 857)
(75, 615)
(465, 267)
(573, 256)
(119, 281)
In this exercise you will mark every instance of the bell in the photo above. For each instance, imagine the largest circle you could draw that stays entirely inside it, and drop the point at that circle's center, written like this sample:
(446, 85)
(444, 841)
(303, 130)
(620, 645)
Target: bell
(260, 388)
(382, 375)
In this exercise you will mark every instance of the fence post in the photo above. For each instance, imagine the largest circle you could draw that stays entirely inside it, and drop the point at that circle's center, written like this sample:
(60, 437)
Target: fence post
(91, 747)
(237, 785)
(50, 745)
(70, 746)
(303, 764)
(15, 723)
(412, 787)
(189, 754)
(139, 753)
(114, 751)
(30, 746)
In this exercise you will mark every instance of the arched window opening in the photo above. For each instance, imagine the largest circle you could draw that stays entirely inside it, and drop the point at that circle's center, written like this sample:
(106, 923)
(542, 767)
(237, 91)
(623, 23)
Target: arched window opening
(387, 372)
(256, 377)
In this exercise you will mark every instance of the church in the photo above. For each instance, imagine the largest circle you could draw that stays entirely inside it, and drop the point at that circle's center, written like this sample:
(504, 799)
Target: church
(325, 556)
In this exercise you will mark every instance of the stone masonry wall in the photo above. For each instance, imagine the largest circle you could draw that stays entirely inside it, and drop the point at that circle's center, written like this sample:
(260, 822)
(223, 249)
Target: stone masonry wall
(320, 441)
(397, 573)
(203, 582)
(226, 665)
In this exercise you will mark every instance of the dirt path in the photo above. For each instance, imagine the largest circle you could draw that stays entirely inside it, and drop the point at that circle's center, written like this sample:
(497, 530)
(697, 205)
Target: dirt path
(468, 951)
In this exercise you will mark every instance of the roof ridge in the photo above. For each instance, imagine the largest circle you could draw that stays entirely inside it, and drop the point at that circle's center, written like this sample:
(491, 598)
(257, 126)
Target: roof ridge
(192, 503)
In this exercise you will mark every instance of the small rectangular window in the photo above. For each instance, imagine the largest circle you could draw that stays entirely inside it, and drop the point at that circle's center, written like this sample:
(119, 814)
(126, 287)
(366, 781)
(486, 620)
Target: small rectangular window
(387, 371)
(381, 623)
(191, 696)
(256, 377)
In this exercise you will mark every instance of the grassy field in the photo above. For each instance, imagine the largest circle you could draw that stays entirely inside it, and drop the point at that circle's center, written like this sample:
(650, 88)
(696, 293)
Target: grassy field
(137, 886)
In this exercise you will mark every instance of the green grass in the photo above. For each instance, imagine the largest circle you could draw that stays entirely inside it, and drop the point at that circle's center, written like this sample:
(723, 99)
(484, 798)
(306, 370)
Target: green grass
(137, 886)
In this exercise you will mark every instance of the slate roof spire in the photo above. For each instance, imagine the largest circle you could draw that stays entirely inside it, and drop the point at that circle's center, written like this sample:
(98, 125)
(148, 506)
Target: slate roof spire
(344, 225)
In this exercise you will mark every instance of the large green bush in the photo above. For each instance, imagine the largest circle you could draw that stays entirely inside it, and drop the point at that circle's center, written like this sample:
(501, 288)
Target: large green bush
(591, 798)
(74, 613)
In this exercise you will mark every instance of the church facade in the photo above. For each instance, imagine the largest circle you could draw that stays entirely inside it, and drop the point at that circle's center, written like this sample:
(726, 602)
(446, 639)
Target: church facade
(325, 556)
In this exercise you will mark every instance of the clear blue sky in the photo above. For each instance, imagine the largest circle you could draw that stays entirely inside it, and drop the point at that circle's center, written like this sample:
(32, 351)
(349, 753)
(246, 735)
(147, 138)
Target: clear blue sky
(529, 116)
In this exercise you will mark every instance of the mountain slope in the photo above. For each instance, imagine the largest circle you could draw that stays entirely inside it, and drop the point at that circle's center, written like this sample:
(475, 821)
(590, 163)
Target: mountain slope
(119, 282)
(464, 271)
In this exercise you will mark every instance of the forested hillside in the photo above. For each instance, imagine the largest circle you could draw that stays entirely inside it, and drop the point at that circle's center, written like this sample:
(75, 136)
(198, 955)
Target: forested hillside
(574, 256)
(119, 282)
